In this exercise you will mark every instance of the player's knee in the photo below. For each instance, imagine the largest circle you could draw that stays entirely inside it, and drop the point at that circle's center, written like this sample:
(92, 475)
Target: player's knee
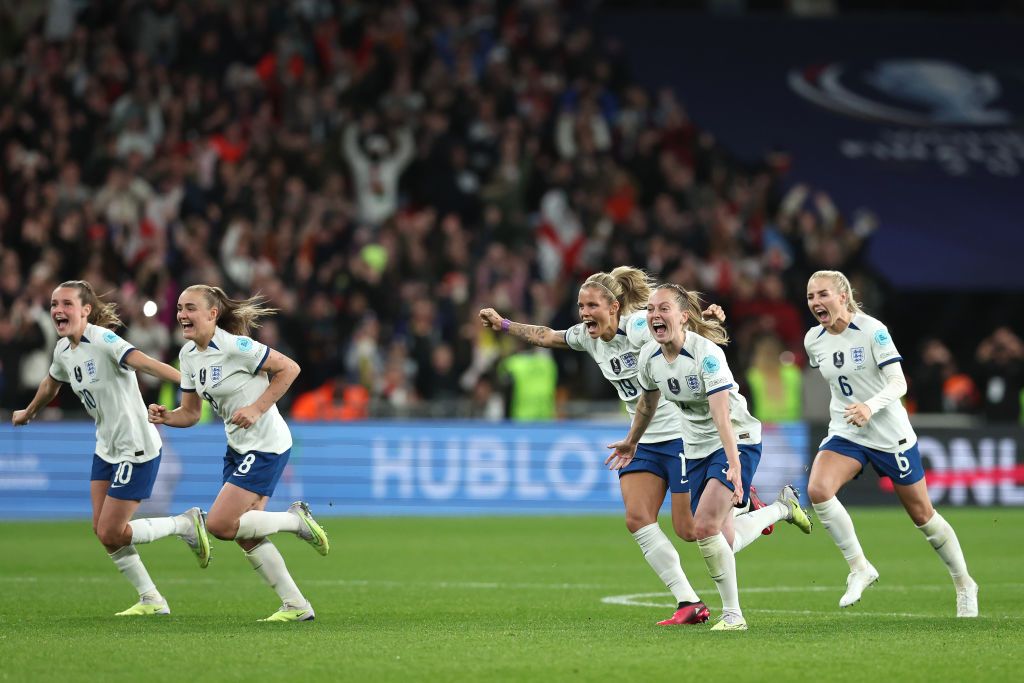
(685, 532)
(705, 529)
(222, 528)
(920, 513)
(819, 491)
(636, 521)
(112, 537)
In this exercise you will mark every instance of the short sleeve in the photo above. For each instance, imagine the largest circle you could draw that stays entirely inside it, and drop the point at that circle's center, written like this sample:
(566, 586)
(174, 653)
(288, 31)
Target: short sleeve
(57, 369)
(574, 337)
(248, 353)
(636, 329)
(116, 347)
(714, 371)
(883, 348)
(188, 376)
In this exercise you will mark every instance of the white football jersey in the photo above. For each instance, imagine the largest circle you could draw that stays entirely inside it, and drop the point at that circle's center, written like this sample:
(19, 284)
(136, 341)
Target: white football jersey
(227, 374)
(697, 372)
(618, 362)
(852, 364)
(109, 391)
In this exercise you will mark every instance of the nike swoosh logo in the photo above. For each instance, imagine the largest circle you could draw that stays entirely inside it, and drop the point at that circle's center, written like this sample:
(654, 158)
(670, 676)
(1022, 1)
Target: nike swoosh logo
(725, 472)
(904, 474)
(236, 474)
(116, 486)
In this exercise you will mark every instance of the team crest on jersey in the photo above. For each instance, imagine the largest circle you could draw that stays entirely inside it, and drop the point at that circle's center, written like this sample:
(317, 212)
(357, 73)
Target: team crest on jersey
(673, 385)
(857, 353)
(244, 343)
(710, 365)
(616, 366)
(838, 359)
(629, 360)
(215, 374)
(693, 382)
(78, 373)
(110, 337)
(202, 375)
(90, 369)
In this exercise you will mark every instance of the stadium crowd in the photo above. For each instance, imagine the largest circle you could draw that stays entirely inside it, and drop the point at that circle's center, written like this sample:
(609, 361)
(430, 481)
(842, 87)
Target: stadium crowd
(380, 171)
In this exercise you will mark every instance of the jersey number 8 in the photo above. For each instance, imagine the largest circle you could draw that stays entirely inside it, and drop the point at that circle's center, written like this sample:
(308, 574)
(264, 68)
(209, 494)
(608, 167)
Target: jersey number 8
(206, 395)
(246, 464)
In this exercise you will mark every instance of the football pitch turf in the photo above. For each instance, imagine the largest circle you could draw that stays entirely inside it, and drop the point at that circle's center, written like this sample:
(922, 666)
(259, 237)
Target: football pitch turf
(524, 598)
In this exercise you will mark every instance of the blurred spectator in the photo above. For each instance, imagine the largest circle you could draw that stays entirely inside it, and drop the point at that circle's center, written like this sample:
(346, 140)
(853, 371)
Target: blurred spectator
(938, 386)
(533, 379)
(1000, 375)
(774, 382)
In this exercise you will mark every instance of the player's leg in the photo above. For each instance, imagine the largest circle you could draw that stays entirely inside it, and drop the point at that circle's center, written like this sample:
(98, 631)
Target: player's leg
(642, 495)
(111, 509)
(829, 473)
(754, 504)
(943, 539)
(750, 526)
(713, 521)
(237, 519)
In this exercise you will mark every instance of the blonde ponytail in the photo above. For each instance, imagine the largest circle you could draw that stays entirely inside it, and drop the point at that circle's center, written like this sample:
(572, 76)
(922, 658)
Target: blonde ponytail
(237, 316)
(630, 286)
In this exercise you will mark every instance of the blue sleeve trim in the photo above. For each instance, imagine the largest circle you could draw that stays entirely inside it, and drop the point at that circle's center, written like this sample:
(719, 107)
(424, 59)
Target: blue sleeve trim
(265, 356)
(58, 380)
(897, 359)
(125, 355)
(190, 391)
(721, 388)
(565, 338)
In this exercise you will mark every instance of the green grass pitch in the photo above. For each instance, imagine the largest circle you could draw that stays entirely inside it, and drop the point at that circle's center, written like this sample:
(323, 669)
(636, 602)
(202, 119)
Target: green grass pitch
(532, 599)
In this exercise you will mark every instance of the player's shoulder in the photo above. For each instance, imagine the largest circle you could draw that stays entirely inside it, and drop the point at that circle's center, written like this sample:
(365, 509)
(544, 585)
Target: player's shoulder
(814, 334)
(702, 346)
(635, 327)
(867, 324)
(648, 351)
(577, 338)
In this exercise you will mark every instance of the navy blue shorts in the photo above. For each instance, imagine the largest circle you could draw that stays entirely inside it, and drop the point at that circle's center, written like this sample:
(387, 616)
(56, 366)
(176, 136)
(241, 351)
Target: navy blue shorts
(664, 459)
(254, 471)
(714, 466)
(904, 468)
(128, 480)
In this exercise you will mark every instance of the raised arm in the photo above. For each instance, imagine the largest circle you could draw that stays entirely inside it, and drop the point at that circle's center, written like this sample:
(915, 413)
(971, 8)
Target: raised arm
(538, 335)
(718, 402)
(46, 392)
(151, 366)
(623, 451)
(283, 371)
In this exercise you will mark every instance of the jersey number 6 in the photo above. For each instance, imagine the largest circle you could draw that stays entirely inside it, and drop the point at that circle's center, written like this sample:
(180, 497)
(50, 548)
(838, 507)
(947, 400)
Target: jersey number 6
(844, 387)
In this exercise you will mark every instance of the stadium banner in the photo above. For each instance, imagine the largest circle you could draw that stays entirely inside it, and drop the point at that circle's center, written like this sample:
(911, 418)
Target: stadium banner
(982, 466)
(368, 468)
(919, 119)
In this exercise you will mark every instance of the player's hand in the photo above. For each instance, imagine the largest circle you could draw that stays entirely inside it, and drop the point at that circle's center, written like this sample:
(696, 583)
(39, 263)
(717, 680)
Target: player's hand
(490, 318)
(157, 414)
(734, 477)
(20, 418)
(245, 417)
(622, 454)
(857, 414)
(714, 311)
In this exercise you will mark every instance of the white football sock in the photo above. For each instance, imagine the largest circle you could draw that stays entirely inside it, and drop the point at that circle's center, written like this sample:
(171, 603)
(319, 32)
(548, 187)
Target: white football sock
(721, 564)
(260, 524)
(664, 560)
(839, 526)
(268, 563)
(154, 528)
(130, 564)
(747, 527)
(942, 537)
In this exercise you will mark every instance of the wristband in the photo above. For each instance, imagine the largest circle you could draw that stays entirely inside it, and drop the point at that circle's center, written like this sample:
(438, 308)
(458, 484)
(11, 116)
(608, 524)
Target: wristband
(505, 322)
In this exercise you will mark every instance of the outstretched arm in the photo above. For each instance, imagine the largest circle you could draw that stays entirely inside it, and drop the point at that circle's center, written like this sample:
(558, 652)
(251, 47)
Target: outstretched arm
(538, 335)
(47, 391)
(186, 415)
(151, 366)
(623, 451)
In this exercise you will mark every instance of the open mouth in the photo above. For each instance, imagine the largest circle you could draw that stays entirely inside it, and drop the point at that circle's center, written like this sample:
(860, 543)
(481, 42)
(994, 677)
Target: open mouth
(658, 327)
(186, 326)
(591, 325)
(62, 323)
(821, 313)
